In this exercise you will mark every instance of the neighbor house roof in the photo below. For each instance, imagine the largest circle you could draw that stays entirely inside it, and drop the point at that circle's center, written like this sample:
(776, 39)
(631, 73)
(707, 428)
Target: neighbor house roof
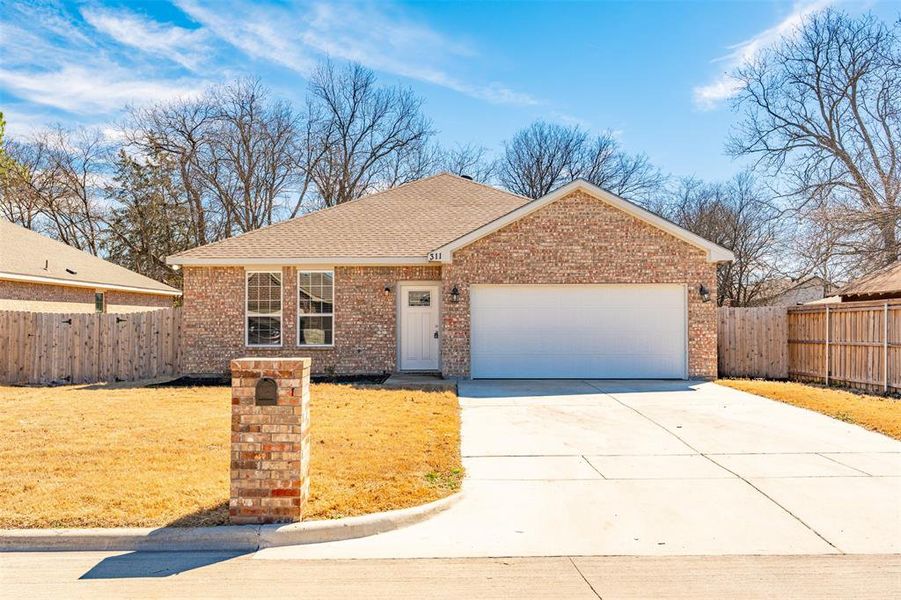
(826, 300)
(31, 257)
(417, 222)
(885, 282)
(787, 291)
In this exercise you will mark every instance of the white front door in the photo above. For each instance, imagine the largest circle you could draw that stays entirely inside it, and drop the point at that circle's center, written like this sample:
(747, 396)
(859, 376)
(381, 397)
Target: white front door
(419, 327)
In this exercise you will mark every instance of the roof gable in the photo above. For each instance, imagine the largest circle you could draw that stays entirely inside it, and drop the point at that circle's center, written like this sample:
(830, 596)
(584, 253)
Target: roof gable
(715, 253)
(28, 256)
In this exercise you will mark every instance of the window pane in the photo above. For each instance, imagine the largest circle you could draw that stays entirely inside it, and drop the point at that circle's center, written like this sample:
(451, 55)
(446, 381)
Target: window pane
(264, 331)
(99, 302)
(304, 302)
(264, 293)
(315, 331)
(419, 298)
(315, 293)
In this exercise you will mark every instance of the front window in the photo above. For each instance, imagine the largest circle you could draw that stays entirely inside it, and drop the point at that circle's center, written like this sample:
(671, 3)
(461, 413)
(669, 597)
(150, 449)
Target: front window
(264, 308)
(99, 302)
(315, 308)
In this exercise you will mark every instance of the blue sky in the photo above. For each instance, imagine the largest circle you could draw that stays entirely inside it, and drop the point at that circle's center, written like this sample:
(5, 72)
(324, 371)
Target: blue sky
(651, 72)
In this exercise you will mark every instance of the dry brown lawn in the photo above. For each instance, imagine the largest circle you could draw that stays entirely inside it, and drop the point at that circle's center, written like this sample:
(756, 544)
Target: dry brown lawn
(108, 456)
(872, 412)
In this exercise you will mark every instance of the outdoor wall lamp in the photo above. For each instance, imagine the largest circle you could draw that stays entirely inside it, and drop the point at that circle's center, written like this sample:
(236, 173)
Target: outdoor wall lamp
(705, 293)
(455, 294)
(387, 290)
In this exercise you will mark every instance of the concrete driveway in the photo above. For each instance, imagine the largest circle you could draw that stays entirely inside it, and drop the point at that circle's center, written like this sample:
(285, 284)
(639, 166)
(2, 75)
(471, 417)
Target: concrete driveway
(651, 468)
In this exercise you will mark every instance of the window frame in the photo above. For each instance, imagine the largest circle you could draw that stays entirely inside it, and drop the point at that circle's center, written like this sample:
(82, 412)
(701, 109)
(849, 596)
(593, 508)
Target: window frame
(300, 315)
(102, 294)
(281, 311)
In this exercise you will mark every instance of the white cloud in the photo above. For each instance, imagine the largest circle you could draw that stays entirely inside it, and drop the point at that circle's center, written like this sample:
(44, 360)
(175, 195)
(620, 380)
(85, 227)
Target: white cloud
(377, 36)
(54, 62)
(178, 44)
(260, 32)
(711, 95)
(58, 65)
(20, 124)
(85, 90)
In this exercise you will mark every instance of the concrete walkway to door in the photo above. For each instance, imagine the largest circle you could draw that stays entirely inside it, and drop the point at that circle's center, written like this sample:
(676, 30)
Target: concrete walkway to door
(651, 468)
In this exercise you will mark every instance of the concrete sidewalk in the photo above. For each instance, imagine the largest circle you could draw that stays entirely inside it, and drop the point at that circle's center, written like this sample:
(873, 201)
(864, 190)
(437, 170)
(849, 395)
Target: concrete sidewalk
(211, 575)
(650, 468)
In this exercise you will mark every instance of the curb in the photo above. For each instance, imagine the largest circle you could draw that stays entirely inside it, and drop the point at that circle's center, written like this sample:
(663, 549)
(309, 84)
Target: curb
(244, 538)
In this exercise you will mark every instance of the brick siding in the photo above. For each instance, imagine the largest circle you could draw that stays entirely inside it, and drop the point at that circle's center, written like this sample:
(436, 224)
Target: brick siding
(365, 336)
(270, 444)
(579, 240)
(40, 297)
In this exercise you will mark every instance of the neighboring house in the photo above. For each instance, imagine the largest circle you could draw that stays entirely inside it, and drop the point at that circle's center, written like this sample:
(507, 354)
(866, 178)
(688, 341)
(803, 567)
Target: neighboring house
(791, 292)
(826, 300)
(43, 275)
(884, 284)
(452, 276)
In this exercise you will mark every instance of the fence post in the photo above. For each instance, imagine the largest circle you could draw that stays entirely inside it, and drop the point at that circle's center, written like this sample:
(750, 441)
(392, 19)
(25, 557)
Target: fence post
(885, 348)
(827, 344)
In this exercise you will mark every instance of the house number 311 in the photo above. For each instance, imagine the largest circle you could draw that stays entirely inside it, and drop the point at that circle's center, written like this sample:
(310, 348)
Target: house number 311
(436, 255)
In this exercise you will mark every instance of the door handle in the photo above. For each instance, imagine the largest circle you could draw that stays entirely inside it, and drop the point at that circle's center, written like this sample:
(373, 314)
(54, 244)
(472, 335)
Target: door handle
(435, 335)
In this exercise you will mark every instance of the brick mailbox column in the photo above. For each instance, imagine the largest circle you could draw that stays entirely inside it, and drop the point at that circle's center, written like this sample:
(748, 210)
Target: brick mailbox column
(270, 450)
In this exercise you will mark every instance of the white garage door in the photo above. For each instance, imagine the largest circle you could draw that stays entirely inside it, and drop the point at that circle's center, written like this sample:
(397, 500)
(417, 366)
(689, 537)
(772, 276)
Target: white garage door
(579, 331)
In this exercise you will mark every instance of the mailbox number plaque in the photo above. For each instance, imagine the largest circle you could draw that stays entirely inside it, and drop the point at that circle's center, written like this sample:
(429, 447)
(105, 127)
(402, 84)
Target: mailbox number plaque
(266, 392)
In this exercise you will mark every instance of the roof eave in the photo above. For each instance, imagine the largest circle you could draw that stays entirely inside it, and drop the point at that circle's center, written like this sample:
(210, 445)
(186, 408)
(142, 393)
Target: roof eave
(40, 279)
(188, 261)
(887, 292)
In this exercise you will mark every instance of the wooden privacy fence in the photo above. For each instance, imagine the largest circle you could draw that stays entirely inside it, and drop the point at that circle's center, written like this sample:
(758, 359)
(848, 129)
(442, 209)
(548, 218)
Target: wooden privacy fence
(753, 342)
(856, 344)
(852, 344)
(44, 348)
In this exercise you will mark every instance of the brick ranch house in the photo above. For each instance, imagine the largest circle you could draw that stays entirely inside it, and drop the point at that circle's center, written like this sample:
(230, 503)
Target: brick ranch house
(448, 275)
(38, 274)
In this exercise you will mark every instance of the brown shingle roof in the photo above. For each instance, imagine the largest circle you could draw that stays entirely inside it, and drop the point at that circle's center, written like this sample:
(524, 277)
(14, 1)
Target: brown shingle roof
(27, 255)
(407, 221)
(884, 281)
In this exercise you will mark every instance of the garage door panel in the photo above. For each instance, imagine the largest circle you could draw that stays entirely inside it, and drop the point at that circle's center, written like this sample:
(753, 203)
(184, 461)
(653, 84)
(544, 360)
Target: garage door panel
(622, 331)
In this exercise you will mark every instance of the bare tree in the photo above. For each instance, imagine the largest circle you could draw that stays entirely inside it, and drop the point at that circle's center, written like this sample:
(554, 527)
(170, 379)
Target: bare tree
(540, 158)
(822, 113)
(180, 130)
(18, 204)
(737, 216)
(469, 160)
(626, 175)
(545, 156)
(360, 131)
(150, 218)
(819, 244)
(249, 158)
(55, 184)
(236, 150)
(409, 164)
(309, 152)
